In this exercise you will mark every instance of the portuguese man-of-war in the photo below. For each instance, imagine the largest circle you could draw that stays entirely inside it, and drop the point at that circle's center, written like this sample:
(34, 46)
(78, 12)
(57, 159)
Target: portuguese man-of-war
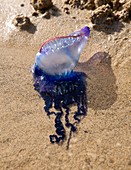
(58, 84)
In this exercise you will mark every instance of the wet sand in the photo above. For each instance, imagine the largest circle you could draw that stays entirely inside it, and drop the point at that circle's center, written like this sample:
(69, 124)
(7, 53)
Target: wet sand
(103, 138)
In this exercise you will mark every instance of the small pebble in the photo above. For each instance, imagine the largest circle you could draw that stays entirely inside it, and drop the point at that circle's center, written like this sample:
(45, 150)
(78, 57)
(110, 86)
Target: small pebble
(125, 38)
(66, 2)
(22, 5)
(46, 15)
(115, 38)
(35, 14)
(21, 21)
(66, 10)
(41, 5)
(74, 17)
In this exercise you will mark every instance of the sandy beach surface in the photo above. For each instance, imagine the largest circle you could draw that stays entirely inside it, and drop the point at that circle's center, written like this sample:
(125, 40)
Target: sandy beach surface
(103, 137)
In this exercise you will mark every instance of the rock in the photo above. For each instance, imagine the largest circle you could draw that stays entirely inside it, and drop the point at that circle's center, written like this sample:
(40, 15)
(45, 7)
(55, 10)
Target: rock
(66, 1)
(35, 14)
(90, 5)
(66, 10)
(21, 21)
(82, 4)
(125, 13)
(101, 2)
(115, 4)
(75, 3)
(42, 5)
(73, 17)
(22, 5)
(122, 15)
(104, 11)
(46, 15)
(101, 15)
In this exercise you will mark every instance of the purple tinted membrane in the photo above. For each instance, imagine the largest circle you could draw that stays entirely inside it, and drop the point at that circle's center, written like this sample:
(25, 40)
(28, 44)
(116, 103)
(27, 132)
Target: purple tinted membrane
(86, 31)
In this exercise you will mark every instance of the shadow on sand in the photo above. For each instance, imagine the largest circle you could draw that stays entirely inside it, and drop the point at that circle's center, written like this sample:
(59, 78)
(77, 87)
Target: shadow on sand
(101, 86)
(31, 28)
(116, 26)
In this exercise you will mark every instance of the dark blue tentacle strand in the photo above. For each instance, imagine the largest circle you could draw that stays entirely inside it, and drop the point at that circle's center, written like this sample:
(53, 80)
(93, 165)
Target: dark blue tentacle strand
(60, 131)
(62, 94)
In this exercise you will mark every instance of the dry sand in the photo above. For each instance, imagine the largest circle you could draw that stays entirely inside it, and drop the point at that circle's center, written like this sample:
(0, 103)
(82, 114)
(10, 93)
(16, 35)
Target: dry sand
(103, 138)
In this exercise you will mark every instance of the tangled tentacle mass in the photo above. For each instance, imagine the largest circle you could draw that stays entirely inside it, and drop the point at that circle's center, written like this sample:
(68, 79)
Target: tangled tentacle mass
(61, 95)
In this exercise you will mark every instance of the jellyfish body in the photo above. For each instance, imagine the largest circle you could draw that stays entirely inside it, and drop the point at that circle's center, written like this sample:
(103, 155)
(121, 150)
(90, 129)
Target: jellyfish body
(58, 84)
(58, 56)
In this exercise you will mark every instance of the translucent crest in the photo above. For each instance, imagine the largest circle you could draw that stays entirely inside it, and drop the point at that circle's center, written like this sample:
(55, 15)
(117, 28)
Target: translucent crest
(59, 56)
